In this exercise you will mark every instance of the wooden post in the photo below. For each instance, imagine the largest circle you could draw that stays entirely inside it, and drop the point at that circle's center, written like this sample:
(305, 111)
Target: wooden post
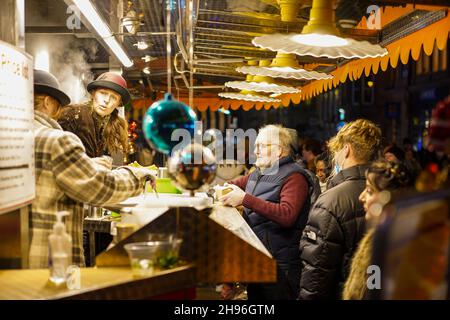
(8, 32)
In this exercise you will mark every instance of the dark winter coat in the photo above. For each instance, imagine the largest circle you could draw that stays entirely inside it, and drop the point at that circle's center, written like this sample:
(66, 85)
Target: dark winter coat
(82, 121)
(335, 226)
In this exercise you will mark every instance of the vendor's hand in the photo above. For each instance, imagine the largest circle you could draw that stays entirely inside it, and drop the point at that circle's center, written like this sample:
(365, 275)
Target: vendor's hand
(152, 181)
(234, 198)
(144, 173)
(104, 161)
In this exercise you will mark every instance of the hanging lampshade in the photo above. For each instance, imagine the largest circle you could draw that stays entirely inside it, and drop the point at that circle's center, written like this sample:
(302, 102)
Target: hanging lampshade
(320, 38)
(284, 66)
(247, 96)
(261, 83)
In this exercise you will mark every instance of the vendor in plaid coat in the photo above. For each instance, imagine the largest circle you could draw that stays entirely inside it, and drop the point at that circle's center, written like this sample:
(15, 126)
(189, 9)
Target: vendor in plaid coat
(66, 177)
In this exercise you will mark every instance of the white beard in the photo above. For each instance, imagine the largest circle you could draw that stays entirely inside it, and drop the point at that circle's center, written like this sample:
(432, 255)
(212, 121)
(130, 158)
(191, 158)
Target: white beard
(262, 164)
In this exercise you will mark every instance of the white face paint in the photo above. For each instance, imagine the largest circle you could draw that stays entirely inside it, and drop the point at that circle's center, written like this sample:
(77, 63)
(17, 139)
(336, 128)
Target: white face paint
(105, 101)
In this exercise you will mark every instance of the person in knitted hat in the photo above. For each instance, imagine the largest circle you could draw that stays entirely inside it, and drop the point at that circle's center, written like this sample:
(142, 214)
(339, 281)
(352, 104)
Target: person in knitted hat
(97, 123)
(436, 173)
(439, 131)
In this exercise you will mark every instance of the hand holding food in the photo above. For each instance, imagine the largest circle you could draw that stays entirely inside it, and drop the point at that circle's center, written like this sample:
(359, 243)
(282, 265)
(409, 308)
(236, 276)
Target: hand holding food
(233, 198)
(144, 173)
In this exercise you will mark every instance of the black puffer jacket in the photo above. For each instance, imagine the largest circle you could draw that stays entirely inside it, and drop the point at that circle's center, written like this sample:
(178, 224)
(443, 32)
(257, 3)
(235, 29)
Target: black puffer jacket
(334, 228)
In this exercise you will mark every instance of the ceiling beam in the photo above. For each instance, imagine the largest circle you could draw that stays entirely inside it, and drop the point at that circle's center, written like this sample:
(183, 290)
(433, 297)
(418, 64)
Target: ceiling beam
(58, 30)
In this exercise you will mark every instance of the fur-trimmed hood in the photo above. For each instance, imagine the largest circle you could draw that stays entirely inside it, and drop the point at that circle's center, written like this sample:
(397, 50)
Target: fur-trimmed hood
(356, 285)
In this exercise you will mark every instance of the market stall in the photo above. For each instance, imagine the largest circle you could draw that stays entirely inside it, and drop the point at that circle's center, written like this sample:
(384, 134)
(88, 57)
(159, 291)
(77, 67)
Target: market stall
(196, 66)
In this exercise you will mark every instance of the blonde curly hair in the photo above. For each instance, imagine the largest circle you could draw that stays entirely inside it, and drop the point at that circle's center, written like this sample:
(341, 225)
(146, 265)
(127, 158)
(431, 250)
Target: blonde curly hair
(364, 137)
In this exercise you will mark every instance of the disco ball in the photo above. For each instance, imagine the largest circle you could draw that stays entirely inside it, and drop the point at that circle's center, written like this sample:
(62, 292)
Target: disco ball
(192, 168)
(163, 118)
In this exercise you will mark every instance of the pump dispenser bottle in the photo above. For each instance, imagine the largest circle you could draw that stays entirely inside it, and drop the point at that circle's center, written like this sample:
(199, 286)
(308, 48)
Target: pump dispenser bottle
(60, 250)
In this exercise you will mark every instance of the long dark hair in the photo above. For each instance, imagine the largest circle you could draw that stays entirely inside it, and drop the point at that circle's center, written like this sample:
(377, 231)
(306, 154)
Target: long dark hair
(386, 175)
(115, 134)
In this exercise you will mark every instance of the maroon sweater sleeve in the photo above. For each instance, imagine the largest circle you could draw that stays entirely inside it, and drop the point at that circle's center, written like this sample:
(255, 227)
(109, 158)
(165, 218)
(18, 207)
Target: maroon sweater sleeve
(293, 195)
(241, 182)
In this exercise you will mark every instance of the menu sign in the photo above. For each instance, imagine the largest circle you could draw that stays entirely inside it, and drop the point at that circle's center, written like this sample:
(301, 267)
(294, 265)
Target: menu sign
(17, 176)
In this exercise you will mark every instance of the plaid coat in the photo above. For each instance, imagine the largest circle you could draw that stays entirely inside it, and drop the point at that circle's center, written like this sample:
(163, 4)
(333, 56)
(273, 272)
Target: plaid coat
(65, 179)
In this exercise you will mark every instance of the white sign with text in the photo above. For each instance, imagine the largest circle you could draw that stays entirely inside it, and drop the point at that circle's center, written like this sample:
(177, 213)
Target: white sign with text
(17, 174)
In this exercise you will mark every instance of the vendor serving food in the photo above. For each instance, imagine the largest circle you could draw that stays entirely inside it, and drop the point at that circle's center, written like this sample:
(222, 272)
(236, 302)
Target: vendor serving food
(66, 177)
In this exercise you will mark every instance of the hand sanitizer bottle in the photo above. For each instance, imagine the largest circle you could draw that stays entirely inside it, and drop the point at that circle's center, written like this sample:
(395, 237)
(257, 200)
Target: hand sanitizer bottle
(60, 250)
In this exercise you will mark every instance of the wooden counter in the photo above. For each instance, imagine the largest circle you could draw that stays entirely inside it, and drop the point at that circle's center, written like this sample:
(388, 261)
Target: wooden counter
(96, 283)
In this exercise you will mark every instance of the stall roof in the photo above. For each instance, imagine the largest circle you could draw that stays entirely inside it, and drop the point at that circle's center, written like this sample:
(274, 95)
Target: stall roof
(221, 33)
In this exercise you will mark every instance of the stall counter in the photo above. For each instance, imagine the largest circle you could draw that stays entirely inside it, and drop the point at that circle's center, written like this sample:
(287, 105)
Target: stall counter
(100, 283)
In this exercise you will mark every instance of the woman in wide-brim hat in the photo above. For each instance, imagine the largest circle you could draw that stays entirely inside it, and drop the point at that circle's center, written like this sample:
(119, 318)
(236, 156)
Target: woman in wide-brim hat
(97, 123)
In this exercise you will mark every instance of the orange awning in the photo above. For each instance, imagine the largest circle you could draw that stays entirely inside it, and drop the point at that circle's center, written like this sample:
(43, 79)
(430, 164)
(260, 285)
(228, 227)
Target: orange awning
(214, 104)
(401, 50)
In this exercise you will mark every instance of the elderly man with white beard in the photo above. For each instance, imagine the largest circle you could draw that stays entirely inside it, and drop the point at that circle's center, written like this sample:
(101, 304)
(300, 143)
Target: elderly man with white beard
(276, 205)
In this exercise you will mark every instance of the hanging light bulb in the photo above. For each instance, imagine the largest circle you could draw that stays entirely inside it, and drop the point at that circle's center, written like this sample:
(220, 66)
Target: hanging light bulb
(285, 65)
(131, 22)
(148, 58)
(320, 38)
(141, 45)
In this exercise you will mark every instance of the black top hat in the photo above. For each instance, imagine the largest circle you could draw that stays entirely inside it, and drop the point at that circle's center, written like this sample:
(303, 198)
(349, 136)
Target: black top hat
(46, 83)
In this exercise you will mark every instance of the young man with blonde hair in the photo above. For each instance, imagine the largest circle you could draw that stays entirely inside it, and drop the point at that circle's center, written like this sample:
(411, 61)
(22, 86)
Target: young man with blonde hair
(336, 222)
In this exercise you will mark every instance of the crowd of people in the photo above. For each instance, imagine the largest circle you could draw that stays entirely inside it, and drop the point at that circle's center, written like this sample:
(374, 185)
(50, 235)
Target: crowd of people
(323, 244)
(311, 204)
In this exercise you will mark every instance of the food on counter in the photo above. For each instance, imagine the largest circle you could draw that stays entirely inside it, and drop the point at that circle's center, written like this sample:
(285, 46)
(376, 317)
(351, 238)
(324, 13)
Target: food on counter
(222, 190)
(167, 260)
(137, 165)
(165, 185)
(142, 267)
(146, 257)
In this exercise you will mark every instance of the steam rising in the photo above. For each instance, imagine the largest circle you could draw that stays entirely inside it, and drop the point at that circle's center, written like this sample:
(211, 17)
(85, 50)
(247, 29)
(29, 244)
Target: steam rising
(68, 61)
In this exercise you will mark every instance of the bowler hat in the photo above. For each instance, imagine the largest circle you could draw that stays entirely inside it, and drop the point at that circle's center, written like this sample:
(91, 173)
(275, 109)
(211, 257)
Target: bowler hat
(113, 81)
(46, 83)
